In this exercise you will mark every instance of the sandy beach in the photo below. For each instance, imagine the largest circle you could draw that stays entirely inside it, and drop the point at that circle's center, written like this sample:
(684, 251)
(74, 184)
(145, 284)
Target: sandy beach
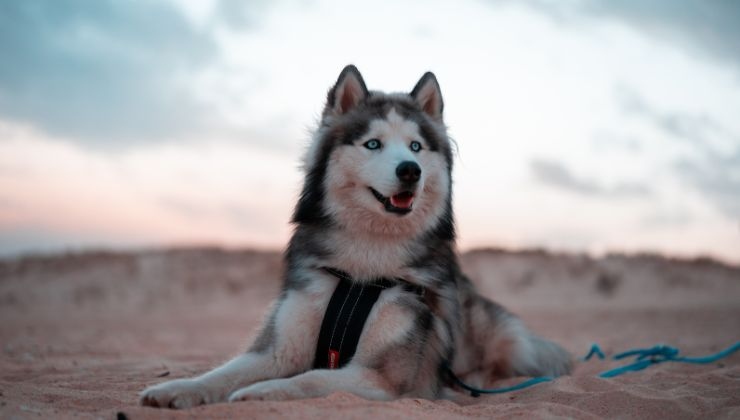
(84, 333)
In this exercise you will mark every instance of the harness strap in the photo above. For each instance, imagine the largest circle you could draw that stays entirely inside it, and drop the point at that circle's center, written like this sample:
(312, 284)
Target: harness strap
(345, 317)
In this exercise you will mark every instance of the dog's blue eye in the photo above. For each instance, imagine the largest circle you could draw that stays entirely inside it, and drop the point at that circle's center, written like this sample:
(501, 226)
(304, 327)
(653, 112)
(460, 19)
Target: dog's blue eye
(372, 144)
(415, 146)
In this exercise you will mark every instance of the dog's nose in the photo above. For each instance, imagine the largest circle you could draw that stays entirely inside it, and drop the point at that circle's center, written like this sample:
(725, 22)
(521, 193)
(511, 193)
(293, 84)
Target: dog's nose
(408, 172)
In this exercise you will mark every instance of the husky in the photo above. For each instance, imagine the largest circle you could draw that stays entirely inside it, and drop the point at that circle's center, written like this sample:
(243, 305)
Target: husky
(376, 204)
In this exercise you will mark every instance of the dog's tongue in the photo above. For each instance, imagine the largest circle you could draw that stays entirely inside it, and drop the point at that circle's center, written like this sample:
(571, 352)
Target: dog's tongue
(402, 200)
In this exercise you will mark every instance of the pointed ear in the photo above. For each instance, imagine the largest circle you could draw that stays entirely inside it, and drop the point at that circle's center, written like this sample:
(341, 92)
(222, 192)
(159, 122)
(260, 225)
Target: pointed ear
(349, 90)
(428, 95)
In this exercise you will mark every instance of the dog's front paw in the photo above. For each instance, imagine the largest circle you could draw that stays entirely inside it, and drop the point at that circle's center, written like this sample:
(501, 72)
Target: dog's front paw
(180, 393)
(277, 389)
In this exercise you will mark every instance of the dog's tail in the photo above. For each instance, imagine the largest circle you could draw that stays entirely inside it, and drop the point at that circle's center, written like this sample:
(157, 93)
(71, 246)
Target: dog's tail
(511, 349)
(531, 355)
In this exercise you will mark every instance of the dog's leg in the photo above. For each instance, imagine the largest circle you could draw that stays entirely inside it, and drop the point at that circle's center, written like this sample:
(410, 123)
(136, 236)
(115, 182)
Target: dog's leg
(398, 353)
(284, 348)
(363, 382)
(213, 386)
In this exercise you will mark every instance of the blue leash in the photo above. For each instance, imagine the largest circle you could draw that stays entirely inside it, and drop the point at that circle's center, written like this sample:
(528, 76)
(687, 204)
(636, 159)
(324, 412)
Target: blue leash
(659, 354)
(476, 392)
(595, 350)
(643, 358)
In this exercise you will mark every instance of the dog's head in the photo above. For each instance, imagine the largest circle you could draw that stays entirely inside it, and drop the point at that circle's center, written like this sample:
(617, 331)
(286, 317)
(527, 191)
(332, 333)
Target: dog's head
(380, 163)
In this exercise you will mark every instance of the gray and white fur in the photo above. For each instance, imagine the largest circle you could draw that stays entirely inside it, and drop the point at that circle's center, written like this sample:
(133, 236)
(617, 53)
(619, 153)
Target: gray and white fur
(376, 203)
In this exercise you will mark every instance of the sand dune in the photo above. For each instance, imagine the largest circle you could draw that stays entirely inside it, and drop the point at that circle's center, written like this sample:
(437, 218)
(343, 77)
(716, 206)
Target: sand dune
(83, 333)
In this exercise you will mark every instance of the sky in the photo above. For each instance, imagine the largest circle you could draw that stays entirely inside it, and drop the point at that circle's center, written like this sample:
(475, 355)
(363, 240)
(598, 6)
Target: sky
(583, 126)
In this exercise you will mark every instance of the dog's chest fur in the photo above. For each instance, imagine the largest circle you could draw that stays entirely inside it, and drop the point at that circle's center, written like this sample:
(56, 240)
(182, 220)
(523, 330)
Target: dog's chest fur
(367, 258)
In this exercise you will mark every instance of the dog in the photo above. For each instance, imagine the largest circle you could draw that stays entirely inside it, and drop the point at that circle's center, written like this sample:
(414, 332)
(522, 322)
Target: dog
(376, 204)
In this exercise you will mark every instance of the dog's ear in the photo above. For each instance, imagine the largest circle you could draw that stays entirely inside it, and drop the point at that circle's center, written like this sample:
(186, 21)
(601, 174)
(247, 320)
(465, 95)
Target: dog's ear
(429, 96)
(349, 91)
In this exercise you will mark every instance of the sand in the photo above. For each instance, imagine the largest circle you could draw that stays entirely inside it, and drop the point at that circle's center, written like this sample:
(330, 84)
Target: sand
(83, 333)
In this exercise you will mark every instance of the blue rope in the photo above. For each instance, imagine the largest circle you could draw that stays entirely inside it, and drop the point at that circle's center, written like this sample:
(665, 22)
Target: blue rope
(476, 392)
(712, 357)
(643, 358)
(595, 350)
(662, 353)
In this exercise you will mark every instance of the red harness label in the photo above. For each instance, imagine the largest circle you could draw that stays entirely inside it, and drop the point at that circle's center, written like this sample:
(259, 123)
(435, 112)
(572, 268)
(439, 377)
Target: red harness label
(333, 359)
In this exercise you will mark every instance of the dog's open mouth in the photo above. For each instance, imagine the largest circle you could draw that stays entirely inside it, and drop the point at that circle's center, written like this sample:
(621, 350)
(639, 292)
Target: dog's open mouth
(400, 203)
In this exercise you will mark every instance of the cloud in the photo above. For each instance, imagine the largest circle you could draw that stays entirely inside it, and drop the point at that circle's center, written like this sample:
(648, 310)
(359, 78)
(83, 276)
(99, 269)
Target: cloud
(556, 175)
(237, 214)
(702, 28)
(667, 218)
(712, 167)
(717, 177)
(698, 129)
(104, 72)
(238, 14)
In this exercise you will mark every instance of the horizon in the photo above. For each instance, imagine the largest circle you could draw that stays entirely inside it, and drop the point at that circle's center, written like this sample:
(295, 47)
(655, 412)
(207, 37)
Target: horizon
(246, 248)
(582, 127)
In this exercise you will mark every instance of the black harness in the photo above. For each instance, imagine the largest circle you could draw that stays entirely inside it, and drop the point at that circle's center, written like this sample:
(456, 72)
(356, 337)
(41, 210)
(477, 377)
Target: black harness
(346, 314)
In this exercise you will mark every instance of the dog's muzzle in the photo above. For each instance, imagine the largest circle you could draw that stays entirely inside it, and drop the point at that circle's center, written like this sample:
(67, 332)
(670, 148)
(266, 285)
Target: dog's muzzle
(400, 203)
